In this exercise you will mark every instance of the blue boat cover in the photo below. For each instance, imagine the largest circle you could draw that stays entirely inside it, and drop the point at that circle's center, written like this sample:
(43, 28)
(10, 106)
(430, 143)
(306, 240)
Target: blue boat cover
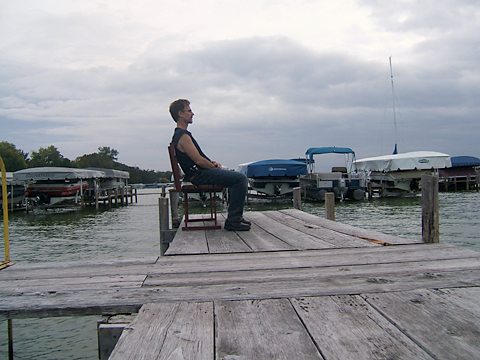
(465, 161)
(327, 150)
(277, 167)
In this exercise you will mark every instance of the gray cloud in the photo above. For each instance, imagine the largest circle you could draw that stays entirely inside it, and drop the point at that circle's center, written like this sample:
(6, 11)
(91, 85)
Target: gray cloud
(254, 98)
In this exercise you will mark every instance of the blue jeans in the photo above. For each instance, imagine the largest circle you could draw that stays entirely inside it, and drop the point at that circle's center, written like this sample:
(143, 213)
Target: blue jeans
(236, 181)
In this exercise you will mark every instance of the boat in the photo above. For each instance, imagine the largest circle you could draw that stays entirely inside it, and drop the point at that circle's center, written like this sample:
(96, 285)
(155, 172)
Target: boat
(113, 179)
(463, 175)
(15, 191)
(344, 181)
(50, 187)
(273, 178)
(399, 175)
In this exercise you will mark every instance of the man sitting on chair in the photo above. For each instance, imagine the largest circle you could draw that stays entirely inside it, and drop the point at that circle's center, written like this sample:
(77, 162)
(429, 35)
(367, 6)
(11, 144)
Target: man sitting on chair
(200, 170)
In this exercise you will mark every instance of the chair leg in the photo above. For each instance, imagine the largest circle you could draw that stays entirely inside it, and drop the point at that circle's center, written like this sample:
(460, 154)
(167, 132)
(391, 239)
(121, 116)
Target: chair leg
(213, 214)
(213, 207)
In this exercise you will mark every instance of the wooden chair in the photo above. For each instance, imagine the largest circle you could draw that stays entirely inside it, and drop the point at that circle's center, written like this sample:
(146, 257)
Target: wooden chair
(189, 189)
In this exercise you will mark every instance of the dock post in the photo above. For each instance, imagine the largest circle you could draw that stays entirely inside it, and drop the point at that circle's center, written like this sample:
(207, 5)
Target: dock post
(297, 198)
(108, 198)
(97, 193)
(10, 339)
(109, 331)
(174, 207)
(330, 206)
(430, 212)
(166, 234)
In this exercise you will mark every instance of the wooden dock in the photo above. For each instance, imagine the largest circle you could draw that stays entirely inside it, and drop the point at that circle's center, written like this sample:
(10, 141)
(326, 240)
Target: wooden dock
(295, 287)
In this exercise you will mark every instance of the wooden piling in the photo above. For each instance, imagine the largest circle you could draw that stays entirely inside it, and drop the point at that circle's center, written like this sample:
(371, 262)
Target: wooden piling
(330, 206)
(430, 210)
(166, 234)
(174, 208)
(297, 198)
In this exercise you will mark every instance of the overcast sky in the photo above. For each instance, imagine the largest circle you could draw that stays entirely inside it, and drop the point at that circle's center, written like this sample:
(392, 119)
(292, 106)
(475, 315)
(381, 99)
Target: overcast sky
(266, 78)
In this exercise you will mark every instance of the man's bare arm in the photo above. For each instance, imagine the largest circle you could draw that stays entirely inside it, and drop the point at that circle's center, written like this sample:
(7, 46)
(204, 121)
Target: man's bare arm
(185, 144)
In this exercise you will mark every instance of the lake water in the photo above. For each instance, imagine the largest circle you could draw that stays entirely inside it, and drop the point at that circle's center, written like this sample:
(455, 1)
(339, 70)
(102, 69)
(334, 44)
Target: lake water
(132, 231)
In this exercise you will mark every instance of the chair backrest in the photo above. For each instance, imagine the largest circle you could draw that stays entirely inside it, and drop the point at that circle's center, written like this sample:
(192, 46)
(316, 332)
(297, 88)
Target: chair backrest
(175, 167)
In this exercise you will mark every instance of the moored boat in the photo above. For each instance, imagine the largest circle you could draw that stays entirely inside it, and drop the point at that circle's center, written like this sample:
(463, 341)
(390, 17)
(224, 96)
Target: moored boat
(273, 178)
(400, 174)
(15, 191)
(344, 181)
(463, 175)
(57, 186)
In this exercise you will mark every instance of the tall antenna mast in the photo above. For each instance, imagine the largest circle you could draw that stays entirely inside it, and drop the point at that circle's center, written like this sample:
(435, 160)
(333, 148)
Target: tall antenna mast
(395, 151)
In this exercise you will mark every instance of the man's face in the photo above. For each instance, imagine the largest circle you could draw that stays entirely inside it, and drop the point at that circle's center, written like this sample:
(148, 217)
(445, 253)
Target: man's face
(187, 114)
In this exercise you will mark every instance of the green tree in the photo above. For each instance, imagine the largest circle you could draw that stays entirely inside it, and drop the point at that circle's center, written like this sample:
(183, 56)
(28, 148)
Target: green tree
(48, 157)
(95, 160)
(111, 153)
(13, 158)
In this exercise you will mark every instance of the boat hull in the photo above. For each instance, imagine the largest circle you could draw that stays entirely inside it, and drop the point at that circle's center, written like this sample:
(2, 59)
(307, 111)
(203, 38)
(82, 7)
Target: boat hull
(55, 194)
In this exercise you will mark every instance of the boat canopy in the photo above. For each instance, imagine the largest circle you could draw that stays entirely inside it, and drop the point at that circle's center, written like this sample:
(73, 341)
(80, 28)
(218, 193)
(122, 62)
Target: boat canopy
(275, 167)
(111, 173)
(419, 160)
(465, 161)
(56, 173)
(328, 150)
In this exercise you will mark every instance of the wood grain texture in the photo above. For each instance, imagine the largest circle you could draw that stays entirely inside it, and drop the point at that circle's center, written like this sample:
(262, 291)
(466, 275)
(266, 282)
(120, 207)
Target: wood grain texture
(349, 230)
(168, 331)
(346, 327)
(261, 329)
(443, 323)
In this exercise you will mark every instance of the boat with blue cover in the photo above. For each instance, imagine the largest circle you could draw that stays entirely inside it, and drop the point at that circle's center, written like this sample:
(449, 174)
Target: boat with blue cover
(275, 177)
(463, 175)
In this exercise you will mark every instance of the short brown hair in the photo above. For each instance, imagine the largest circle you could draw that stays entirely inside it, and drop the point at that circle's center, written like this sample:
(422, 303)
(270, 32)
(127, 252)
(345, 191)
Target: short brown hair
(176, 106)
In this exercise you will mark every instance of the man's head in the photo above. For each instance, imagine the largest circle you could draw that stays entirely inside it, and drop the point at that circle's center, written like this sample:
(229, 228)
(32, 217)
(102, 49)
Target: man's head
(177, 106)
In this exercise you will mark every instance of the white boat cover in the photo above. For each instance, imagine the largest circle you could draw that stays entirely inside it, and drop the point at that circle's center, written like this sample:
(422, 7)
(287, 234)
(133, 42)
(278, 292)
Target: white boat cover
(56, 173)
(419, 160)
(112, 174)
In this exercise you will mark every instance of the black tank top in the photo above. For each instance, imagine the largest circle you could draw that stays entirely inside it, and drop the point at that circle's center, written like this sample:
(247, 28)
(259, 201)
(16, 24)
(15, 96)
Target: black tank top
(185, 162)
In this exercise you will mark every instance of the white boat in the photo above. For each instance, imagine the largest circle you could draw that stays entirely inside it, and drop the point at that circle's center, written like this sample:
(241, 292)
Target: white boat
(57, 186)
(273, 178)
(343, 181)
(400, 174)
(113, 179)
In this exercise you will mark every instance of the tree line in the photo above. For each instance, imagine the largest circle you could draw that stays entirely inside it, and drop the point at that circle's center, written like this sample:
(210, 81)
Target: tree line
(16, 159)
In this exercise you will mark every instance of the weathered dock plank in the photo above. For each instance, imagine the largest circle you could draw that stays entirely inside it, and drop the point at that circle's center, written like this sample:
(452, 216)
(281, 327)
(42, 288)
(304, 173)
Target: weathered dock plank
(260, 240)
(224, 242)
(326, 327)
(346, 327)
(347, 229)
(168, 331)
(261, 329)
(440, 321)
(278, 231)
(299, 240)
(335, 238)
(240, 276)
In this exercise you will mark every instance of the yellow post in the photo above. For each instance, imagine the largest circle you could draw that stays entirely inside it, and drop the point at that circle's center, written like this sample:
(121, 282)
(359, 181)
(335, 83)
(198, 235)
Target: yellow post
(5, 215)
